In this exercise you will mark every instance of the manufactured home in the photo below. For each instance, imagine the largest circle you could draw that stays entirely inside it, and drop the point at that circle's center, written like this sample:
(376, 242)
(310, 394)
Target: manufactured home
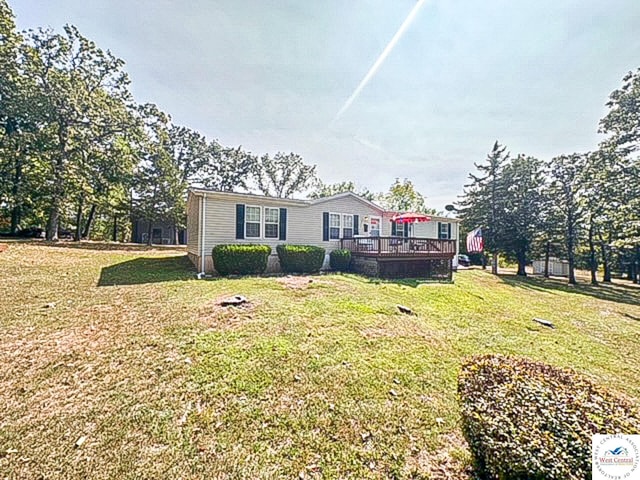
(379, 245)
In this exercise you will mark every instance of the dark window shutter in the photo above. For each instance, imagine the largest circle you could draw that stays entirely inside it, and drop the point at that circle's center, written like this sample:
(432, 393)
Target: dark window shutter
(449, 228)
(283, 224)
(356, 225)
(439, 231)
(406, 230)
(239, 221)
(325, 226)
(394, 229)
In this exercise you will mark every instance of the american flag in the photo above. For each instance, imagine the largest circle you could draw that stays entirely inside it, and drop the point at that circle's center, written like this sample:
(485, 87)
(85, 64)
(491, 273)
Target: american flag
(475, 243)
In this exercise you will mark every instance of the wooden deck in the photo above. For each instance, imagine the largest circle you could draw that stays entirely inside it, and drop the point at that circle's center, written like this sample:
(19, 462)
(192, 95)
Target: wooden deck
(399, 247)
(402, 257)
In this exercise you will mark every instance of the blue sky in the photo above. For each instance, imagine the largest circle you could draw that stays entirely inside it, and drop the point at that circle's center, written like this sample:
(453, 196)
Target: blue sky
(271, 75)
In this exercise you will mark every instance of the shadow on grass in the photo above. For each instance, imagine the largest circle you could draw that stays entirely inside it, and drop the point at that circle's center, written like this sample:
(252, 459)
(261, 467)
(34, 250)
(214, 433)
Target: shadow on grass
(91, 245)
(406, 282)
(618, 293)
(147, 270)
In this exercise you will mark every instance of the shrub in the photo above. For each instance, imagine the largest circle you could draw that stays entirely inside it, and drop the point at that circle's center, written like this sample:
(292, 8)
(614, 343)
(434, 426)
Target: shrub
(300, 258)
(340, 260)
(527, 420)
(240, 259)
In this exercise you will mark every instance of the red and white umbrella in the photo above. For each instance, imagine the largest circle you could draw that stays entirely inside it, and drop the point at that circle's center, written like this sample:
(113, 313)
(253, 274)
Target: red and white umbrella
(410, 217)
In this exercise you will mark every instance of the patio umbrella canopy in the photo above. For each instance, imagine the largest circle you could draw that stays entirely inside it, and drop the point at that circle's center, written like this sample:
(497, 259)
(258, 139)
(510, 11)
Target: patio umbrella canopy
(410, 217)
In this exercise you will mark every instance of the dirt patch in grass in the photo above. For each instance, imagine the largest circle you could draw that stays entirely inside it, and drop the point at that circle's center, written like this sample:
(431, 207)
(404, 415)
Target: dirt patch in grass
(295, 282)
(3, 247)
(450, 461)
(217, 316)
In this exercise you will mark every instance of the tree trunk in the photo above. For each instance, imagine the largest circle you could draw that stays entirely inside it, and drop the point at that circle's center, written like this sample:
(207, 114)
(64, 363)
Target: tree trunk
(89, 224)
(52, 223)
(149, 233)
(16, 216)
(570, 248)
(547, 254)
(16, 211)
(494, 264)
(115, 228)
(605, 253)
(483, 259)
(176, 236)
(78, 235)
(58, 187)
(593, 262)
(522, 264)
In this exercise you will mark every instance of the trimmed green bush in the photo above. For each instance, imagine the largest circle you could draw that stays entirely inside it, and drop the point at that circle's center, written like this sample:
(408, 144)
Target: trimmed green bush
(240, 259)
(340, 260)
(525, 420)
(300, 258)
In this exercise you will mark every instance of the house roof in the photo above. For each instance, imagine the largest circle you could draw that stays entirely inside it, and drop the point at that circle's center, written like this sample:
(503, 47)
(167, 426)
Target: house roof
(348, 194)
(289, 201)
(299, 202)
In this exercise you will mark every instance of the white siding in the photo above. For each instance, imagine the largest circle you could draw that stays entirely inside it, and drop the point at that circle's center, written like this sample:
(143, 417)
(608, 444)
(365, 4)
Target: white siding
(193, 224)
(304, 221)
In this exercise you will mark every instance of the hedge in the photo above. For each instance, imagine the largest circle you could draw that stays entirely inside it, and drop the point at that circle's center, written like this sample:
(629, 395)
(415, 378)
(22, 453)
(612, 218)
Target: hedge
(527, 420)
(240, 259)
(300, 258)
(340, 260)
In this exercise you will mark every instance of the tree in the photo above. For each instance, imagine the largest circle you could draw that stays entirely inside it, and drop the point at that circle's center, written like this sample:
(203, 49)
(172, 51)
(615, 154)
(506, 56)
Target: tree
(622, 122)
(159, 189)
(567, 194)
(403, 197)
(482, 201)
(82, 86)
(523, 204)
(283, 175)
(21, 119)
(230, 170)
(621, 220)
(327, 190)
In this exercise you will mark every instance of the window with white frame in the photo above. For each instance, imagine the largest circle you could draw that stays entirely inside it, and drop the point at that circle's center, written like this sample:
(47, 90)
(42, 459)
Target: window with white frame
(252, 222)
(271, 222)
(347, 226)
(443, 233)
(334, 226)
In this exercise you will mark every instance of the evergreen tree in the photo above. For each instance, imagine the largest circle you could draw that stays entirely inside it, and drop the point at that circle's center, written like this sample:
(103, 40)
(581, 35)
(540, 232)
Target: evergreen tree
(482, 204)
(523, 204)
(567, 194)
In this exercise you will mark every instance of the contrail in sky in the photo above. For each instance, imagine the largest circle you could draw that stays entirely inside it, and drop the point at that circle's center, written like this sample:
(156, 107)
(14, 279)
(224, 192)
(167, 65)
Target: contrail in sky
(378, 63)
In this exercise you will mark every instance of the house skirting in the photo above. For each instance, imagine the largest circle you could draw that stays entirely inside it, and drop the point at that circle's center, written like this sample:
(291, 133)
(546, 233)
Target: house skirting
(440, 269)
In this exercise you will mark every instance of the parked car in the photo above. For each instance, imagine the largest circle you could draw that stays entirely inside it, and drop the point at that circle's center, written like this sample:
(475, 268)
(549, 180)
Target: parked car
(464, 261)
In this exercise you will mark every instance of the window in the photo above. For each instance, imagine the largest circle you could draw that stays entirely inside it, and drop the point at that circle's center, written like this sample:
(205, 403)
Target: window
(347, 226)
(334, 226)
(252, 222)
(271, 222)
(443, 231)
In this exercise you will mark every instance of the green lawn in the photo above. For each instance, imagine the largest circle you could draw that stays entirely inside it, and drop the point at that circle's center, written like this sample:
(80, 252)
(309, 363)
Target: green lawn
(321, 379)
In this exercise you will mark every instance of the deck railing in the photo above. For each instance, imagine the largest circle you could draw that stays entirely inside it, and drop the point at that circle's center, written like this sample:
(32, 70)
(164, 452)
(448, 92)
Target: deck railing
(400, 246)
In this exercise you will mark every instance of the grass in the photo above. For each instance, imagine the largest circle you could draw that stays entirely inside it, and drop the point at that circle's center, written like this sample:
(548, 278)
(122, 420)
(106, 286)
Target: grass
(321, 379)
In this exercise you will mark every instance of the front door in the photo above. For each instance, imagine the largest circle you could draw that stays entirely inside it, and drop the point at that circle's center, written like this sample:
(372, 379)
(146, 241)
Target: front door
(374, 227)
